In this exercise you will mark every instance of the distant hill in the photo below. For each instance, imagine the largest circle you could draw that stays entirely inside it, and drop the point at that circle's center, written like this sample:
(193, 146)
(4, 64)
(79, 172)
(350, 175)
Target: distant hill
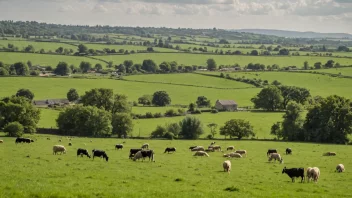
(296, 34)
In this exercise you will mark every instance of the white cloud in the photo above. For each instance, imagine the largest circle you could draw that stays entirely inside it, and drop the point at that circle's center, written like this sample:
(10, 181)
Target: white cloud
(99, 8)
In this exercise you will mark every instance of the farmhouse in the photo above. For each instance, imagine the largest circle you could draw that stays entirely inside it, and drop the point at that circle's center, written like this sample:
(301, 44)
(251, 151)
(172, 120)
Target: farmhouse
(46, 103)
(226, 105)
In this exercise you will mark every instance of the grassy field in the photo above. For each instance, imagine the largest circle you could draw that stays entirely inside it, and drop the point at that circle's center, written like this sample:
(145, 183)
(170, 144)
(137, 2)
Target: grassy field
(44, 59)
(347, 71)
(200, 59)
(316, 83)
(127, 47)
(190, 79)
(37, 45)
(31, 170)
(46, 88)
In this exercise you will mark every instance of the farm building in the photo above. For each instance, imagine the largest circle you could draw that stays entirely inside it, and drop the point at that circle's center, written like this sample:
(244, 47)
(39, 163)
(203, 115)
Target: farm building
(226, 105)
(46, 103)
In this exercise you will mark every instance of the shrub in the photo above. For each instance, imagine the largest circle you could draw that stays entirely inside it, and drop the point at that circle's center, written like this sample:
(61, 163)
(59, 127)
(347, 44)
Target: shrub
(214, 111)
(34, 73)
(135, 103)
(158, 115)
(210, 136)
(170, 113)
(149, 115)
(14, 129)
(169, 135)
(197, 111)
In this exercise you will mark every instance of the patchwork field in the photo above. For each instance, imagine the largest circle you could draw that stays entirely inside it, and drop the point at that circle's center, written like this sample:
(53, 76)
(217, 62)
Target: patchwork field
(200, 59)
(33, 171)
(45, 88)
(44, 59)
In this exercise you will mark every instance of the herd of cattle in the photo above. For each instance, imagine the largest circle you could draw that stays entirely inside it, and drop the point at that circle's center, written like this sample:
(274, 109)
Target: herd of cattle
(312, 173)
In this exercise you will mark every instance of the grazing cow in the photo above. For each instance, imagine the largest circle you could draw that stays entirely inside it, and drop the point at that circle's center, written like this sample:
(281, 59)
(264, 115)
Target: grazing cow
(59, 149)
(198, 148)
(70, 144)
(133, 152)
(23, 140)
(118, 146)
(192, 147)
(329, 154)
(201, 153)
(1, 141)
(288, 151)
(227, 166)
(235, 155)
(215, 147)
(242, 152)
(271, 151)
(82, 152)
(170, 149)
(100, 153)
(143, 154)
(145, 146)
(294, 172)
(212, 143)
(230, 148)
(314, 173)
(340, 168)
(276, 156)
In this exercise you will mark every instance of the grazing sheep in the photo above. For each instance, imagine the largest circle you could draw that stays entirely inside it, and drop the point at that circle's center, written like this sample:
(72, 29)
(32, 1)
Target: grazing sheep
(275, 156)
(215, 147)
(308, 173)
(288, 151)
(201, 153)
(235, 155)
(329, 154)
(242, 152)
(60, 140)
(198, 148)
(340, 168)
(314, 174)
(145, 146)
(137, 156)
(1, 141)
(59, 149)
(230, 148)
(227, 166)
(91, 141)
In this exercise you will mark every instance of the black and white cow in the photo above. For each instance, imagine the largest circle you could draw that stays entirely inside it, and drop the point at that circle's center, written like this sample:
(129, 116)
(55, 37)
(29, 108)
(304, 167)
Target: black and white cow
(271, 151)
(100, 153)
(82, 152)
(133, 152)
(288, 151)
(118, 146)
(294, 172)
(23, 140)
(170, 149)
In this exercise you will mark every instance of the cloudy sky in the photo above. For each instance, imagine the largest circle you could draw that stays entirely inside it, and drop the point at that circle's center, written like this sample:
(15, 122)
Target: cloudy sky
(300, 15)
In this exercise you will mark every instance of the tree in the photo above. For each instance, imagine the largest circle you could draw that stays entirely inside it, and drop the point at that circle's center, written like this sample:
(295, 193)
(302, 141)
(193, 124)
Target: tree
(29, 48)
(21, 69)
(128, 64)
(72, 95)
(284, 51)
(29, 63)
(211, 64)
(3, 71)
(292, 93)
(101, 98)
(62, 69)
(165, 66)
(202, 101)
(254, 53)
(329, 121)
(84, 121)
(120, 104)
(19, 109)
(306, 65)
(317, 65)
(14, 129)
(161, 98)
(98, 66)
(110, 64)
(269, 98)
(149, 66)
(122, 125)
(158, 132)
(212, 127)
(85, 66)
(292, 123)
(173, 128)
(237, 128)
(191, 107)
(329, 64)
(145, 100)
(276, 130)
(191, 128)
(82, 48)
(59, 50)
(25, 93)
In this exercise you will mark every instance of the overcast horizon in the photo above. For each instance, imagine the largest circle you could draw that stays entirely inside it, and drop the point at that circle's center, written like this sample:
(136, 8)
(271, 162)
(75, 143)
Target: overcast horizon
(326, 16)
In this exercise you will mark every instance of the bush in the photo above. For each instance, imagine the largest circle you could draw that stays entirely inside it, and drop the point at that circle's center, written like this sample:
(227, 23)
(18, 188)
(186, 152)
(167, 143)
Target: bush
(169, 135)
(34, 73)
(210, 136)
(158, 115)
(170, 113)
(222, 75)
(135, 103)
(14, 129)
(197, 111)
(214, 111)
(149, 115)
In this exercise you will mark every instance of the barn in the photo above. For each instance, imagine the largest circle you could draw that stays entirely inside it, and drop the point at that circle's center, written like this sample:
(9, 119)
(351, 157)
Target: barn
(226, 105)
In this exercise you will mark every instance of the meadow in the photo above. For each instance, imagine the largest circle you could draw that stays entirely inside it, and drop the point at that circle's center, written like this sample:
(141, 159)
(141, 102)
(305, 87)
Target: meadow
(318, 84)
(49, 88)
(31, 170)
(47, 46)
(44, 59)
(200, 59)
(345, 71)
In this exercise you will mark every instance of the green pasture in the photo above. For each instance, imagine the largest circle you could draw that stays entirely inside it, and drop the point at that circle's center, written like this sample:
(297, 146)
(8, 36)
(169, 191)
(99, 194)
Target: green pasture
(31, 170)
(345, 71)
(48, 88)
(127, 47)
(318, 84)
(44, 59)
(190, 79)
(200, 59)
(47, 46)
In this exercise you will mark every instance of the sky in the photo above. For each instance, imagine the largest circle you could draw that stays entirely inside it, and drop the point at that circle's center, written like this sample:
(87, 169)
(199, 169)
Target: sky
(297, 15)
